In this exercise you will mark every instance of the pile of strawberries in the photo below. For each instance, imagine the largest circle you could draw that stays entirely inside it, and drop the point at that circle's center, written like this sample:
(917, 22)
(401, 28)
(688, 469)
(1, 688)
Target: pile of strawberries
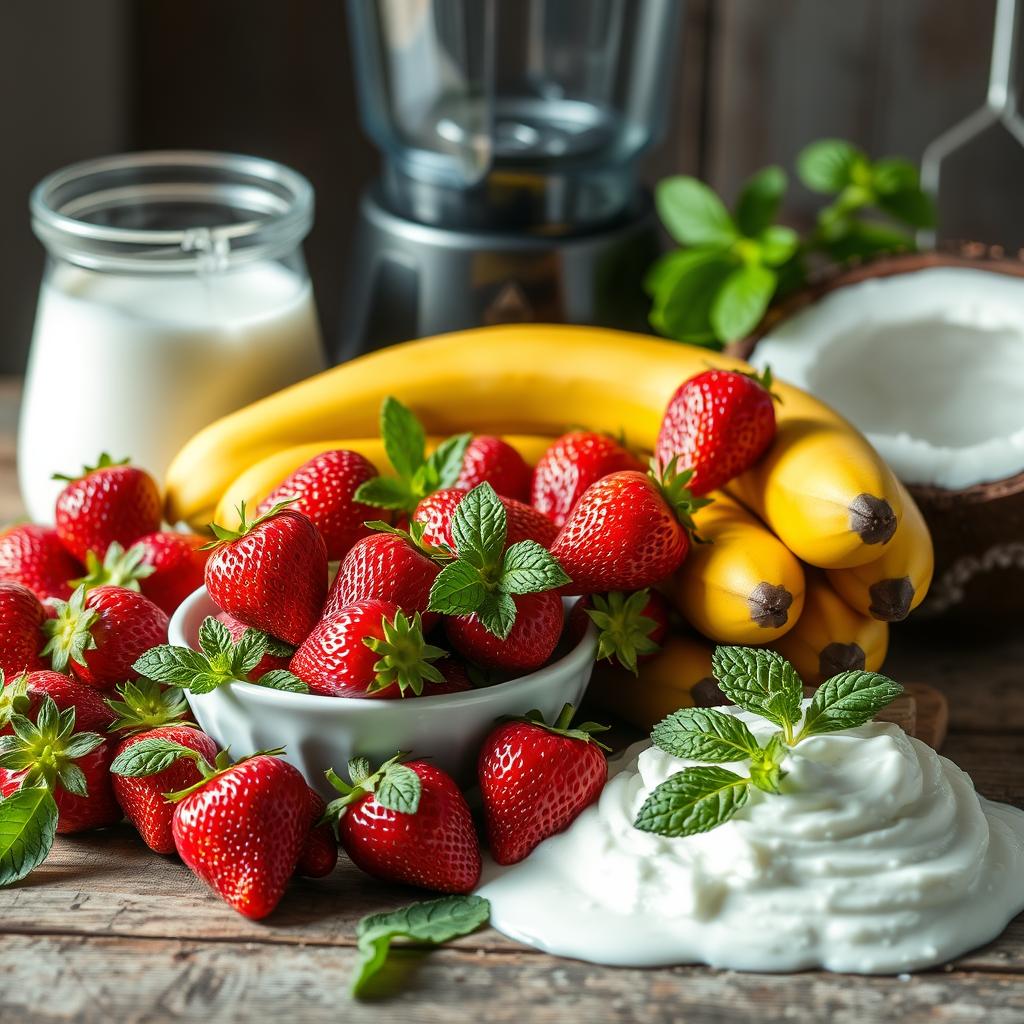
(451, 574)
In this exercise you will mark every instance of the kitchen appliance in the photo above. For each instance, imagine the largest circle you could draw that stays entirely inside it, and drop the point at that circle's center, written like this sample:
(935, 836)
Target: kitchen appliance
(510, 132)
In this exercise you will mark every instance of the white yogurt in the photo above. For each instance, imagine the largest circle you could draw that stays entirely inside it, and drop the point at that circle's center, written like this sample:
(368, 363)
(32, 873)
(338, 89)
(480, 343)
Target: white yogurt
(135, 364)
(879, 857)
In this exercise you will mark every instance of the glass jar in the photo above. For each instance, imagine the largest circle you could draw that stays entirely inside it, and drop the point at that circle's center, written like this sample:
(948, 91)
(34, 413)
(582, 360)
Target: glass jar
(175, 291)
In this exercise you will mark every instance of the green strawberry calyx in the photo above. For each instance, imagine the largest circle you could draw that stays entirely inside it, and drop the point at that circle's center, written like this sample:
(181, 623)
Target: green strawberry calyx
(46, 750)
(416, 473)
(765, 379)
(672, 482)
(393, 785)
(105, 461)
(119, 568)
(14, 698)
(218, 661)
(412, 536)
(146, 705)
(483, 576)
(404, 657)
(70, 631)
(562, 725)
(224, 535)
(623, 631)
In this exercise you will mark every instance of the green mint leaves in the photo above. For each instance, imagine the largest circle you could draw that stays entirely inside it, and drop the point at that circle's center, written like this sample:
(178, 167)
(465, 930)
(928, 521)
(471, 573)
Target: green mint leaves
(698, 799)
(431, 922)
(484, 576)
(394, 786)
(405, 443)
(150, 757)
(717, 287)
(218, 661)
(28, 825)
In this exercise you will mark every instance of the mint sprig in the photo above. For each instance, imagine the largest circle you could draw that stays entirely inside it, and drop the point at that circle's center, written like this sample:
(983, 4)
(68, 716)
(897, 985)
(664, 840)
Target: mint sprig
(218, 661)
(698, 799)
(432, 922)
(405, 443)
(484, 576)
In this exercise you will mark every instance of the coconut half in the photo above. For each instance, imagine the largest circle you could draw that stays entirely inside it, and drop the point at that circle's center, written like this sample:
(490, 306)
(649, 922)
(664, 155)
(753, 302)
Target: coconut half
(925, 354)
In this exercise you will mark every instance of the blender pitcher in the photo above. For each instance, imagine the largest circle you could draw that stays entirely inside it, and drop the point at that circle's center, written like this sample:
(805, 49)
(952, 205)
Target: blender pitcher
(510, 133)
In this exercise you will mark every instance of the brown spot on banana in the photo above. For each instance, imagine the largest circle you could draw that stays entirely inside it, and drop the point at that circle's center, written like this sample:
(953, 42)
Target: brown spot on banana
(835, 658)
(891, 599)
(872, 519)
(769, 605)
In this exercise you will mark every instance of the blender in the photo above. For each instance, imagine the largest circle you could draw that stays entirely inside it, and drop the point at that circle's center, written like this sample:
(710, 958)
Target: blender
(510, 132)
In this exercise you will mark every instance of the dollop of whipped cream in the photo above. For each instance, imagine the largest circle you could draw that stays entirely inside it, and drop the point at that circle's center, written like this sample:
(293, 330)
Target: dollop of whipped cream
(878, 857)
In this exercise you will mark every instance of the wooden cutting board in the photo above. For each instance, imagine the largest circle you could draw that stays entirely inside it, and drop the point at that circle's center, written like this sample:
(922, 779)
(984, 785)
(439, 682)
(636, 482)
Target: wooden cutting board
(922, 711)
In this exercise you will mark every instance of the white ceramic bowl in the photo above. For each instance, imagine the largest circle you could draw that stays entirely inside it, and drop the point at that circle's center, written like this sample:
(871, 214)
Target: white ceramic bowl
(325, 732)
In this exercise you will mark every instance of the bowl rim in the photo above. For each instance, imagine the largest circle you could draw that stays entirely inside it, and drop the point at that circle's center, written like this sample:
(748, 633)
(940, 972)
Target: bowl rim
(574, 660)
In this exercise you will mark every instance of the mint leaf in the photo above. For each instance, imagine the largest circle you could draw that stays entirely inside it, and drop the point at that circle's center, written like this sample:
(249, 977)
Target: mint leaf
(683, 310)
(912, 206)
(433, 921)
(663, 272)
(705, 734)
(399, 789)
(848, 700)
(248, 652)
(893, 174)
(479, 527)
(827, 165)
(149, 757)
(458, 589)
(741, 301)
(404, 439)
(692, 213)
(207, 682)
(443, 467)
(172, 666)
(278, 648)
(778, 244)
(760, 681)
(766, 769)
(214, 638)
(859, 240)
(497, 614)
(759, 200)
(691, 801)
(529, 568)
(282, 679)
(386, 492)
(28, 824)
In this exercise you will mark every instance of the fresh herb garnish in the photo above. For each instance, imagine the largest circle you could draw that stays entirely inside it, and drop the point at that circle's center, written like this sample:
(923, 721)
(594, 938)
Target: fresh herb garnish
(700, 798)
(717, 287)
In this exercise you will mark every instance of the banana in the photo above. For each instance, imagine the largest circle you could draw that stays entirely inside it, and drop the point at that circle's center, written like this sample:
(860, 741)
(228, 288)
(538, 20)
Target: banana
(663, 685)
(745, 586)
(891, 587)
(252, 485)
(831, 637)
(536, 379)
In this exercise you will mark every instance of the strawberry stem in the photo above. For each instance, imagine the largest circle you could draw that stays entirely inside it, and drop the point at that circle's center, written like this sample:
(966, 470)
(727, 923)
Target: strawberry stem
(119, 568)
(683, 503)
(103, 462)
(623, 631)
(563, 725)
(70, 631)
(405, 657)
(225, 535)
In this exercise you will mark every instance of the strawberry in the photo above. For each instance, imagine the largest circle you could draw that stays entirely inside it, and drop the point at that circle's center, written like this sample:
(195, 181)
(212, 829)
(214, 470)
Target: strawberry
(456, 678)
(523, 522)
(388, 566)
(73, 766)
(99, 634)
(22, 618)
(323, 489)
(494, 461)
(529, 643)
(319, 854)
(628, 531)
(536, 779)
(369, 648)
(109, 501)
(407, 823)
(570, 465)
(25, 693)
(718, 423)
(630, 627)
(34, 556)
(277, 656)
(270, 573)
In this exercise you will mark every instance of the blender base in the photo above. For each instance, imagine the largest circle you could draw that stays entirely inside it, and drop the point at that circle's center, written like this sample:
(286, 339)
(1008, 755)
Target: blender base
(410, 280)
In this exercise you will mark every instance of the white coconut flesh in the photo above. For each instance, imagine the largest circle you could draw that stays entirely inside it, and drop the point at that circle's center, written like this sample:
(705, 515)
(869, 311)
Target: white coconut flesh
(929, 364)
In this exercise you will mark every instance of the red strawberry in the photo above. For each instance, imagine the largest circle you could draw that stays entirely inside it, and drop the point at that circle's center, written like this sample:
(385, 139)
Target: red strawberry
(323, 489)
(570, 465)
(524, 523)
(456, 678)
(529, 644)
(100, 634)
(630, 627)
(109, 501)
(536, 780)
(21, 629)
(407, 823)
(74, 766)
(494, 461)
(718, 424)
(143, 797)
(271, 573)
(367, 649)
(388, 566)
(34, 556)
(270, 661)
(91, 711)
(241, 830)
(319, 854)
(628, 531)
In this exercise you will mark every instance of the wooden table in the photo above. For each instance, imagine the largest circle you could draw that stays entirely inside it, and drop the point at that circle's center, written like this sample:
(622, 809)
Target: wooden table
(106, 931)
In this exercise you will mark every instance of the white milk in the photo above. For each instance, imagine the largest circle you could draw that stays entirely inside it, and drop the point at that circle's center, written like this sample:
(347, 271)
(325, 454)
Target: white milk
(134, 365)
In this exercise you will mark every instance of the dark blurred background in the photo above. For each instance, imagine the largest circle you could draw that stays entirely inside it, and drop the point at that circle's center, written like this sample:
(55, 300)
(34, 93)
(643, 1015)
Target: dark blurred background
(756, 80)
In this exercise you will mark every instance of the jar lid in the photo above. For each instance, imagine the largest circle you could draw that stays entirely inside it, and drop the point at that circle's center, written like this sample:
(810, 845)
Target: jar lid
(171, 211)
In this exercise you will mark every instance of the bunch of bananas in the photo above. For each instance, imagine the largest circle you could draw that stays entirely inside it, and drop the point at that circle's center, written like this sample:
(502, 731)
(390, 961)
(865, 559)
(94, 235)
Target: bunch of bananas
(813, 551)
